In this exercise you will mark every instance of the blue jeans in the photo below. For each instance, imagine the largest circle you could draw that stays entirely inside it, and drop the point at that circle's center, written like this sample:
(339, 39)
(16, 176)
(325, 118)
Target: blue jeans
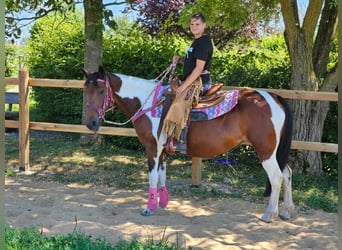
(206, 83)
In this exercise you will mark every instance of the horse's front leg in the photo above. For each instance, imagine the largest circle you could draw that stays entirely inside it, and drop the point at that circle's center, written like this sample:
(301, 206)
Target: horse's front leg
(162, 190)
(152, 202)
(157, 179)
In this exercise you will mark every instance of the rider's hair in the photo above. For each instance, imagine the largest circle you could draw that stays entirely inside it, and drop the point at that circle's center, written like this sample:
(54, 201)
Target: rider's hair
(198, 16)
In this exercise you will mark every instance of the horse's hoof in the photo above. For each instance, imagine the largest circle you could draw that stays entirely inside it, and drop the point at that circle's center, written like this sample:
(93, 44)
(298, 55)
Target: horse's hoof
(267, 218)
(284, 215)
(147, 212)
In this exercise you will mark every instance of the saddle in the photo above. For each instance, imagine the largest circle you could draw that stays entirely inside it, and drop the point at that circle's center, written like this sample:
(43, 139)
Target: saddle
(210, 98)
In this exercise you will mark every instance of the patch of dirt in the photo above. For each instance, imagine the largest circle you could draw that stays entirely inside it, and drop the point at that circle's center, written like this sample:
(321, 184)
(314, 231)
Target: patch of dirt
(227, 223)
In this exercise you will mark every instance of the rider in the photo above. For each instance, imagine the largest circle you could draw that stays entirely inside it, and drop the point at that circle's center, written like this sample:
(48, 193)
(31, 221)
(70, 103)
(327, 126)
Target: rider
(196, 76)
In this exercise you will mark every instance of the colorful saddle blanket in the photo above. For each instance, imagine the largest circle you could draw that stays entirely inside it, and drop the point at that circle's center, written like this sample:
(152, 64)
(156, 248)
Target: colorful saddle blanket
(223, 107)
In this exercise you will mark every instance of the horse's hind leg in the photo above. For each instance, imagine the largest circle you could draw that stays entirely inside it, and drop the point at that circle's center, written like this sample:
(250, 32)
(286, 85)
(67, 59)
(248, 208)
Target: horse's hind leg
(288, 202)
(275, 176)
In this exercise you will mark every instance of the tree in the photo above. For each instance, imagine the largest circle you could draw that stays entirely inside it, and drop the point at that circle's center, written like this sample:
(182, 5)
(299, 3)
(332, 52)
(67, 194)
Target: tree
(19, 14)
(309, 45)
(95, 12)
(227, 19)
(157, 16)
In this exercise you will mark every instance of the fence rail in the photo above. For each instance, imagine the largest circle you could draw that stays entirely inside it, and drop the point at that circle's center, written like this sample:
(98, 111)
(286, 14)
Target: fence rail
(25, 125)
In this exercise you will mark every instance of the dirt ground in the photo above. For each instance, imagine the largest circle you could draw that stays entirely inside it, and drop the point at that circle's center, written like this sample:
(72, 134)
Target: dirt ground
(112, 214)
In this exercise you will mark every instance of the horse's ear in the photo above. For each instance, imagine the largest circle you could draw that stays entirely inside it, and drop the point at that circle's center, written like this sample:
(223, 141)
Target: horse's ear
(85, 73)
(101, 71)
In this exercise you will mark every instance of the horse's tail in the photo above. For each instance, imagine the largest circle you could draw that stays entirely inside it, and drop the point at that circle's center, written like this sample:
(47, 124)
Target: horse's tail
(284, 146)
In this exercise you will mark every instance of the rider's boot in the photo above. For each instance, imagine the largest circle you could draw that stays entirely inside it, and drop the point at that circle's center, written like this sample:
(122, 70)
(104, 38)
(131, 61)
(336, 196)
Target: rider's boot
(180, 145)
(169, 145)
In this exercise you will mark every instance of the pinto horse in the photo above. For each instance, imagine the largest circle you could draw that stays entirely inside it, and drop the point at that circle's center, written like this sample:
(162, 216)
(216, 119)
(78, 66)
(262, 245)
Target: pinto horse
(259, 118)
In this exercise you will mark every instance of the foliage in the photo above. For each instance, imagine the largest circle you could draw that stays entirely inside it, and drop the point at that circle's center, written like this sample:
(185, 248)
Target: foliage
(14, 21)
(161, 16)
(129, 51)
(227, 20)
(11, 54)
(31, 238)
(132, 52)
(261, 64)
(21, 14)
(55, 51)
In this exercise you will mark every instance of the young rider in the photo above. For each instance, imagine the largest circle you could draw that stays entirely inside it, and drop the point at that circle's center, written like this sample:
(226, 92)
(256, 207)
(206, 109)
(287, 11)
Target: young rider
(196, 76)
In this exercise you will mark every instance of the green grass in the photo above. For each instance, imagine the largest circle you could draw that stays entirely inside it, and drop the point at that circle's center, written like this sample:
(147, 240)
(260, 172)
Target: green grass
(32, 239)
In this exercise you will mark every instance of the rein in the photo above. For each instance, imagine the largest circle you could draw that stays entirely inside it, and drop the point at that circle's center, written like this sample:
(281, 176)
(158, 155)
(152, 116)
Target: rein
(110, 100)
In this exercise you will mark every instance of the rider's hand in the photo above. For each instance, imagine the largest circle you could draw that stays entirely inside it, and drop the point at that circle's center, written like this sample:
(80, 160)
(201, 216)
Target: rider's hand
(177, 58)
(180, 89)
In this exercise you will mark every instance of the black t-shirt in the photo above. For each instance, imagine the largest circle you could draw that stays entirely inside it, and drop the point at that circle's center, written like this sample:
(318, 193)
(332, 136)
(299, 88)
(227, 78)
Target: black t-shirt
(202, 49)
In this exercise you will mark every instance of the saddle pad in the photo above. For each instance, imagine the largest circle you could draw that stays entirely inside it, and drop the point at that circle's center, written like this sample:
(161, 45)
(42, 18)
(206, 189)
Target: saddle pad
(212, 112)
(157, 111)
(222, 107)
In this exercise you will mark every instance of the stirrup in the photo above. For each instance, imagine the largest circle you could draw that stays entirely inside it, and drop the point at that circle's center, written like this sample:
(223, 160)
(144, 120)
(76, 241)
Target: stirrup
(180, 147)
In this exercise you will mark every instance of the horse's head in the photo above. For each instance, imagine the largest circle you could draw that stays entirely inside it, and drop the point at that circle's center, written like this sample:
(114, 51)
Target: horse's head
(98, 89)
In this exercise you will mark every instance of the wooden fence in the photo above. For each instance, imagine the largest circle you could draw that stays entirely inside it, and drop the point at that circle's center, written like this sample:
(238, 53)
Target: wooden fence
(24, 124)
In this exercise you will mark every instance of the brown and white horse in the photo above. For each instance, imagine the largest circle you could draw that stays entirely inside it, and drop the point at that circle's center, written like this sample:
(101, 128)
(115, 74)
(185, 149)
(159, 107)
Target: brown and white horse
(260, 119)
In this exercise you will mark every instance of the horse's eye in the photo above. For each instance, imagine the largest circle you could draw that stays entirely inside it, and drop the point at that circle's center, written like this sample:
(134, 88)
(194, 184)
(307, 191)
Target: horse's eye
(101, 92)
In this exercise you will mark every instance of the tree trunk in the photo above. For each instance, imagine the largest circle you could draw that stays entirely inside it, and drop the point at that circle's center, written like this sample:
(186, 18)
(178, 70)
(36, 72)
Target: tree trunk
(309, 58)
(308, 116)
(93, 28)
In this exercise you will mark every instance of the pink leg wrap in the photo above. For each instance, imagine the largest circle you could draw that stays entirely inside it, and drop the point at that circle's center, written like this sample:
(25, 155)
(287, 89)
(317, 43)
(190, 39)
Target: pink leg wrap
(152, 199)
(163, 197)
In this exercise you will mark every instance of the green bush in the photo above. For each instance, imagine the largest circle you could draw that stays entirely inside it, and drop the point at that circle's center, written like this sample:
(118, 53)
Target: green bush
(260, 64)
(55, 51)
(130, 51)
(11, 53)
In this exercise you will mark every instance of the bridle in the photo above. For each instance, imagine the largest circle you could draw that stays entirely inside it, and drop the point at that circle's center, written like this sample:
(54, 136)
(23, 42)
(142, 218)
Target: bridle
(108, 100)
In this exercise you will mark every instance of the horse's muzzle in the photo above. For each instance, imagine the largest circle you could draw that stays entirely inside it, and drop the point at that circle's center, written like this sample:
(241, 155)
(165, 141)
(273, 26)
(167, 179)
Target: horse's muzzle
(93, 125)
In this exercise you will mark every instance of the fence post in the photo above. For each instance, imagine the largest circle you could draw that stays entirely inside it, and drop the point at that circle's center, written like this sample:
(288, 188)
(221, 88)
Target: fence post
(24, 119)
(196, 171)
